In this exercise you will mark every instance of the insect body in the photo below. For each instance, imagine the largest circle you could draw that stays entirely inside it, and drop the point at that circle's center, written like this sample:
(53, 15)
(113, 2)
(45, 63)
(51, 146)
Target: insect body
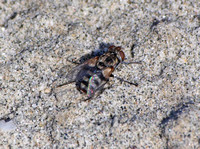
(93, 74)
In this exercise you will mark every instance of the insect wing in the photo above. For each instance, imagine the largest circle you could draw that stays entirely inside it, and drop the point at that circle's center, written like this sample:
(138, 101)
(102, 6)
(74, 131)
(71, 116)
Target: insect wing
(92, 86)
(72, 75)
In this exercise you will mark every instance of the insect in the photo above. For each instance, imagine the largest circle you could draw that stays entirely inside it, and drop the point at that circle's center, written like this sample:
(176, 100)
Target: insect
(92, 75)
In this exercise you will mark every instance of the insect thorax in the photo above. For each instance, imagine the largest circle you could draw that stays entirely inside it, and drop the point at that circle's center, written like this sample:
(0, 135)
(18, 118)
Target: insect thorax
(109, 59)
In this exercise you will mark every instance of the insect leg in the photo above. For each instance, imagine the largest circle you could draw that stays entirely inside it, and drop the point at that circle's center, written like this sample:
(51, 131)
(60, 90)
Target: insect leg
(122, 80)
(63, 84)
(127, 63)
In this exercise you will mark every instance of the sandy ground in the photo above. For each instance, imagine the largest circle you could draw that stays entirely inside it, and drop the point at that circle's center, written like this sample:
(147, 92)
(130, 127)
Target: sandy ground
(38, 39)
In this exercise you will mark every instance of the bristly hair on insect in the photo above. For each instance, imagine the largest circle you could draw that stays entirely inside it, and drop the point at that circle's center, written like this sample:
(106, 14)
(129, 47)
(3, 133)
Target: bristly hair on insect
(92, 75)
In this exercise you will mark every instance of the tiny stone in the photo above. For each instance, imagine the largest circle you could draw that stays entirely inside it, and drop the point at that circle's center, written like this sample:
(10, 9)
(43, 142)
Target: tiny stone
(47, 90)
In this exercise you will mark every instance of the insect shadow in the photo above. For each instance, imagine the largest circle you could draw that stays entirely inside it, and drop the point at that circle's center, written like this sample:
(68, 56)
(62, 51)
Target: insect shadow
(103, 47)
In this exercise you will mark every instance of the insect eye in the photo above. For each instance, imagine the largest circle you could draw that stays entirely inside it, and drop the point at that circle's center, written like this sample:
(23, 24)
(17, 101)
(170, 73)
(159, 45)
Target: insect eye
(122, 55)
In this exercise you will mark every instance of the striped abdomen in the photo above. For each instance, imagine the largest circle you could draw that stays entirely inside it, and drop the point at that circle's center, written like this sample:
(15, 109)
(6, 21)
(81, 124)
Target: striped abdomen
(89, 78)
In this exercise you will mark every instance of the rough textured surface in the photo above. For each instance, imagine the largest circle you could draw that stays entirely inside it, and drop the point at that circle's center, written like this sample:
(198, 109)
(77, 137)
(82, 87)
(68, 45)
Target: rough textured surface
(36, 39)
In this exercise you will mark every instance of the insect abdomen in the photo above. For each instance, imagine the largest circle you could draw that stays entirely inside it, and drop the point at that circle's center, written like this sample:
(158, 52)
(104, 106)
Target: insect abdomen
(83, 77)
(90, 81)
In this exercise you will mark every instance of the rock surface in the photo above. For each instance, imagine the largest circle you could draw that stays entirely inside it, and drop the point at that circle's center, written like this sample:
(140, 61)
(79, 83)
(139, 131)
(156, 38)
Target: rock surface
(38, 39)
